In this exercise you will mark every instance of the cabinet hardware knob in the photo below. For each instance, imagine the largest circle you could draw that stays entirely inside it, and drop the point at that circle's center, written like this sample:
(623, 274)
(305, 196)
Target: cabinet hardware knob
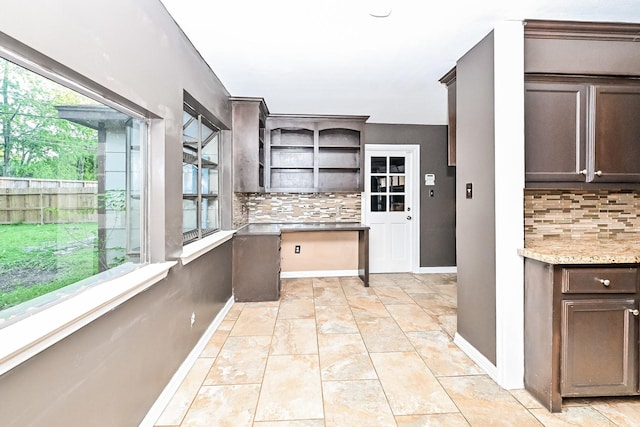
(583, 171)
(605, 282)
(409, 217)
(599, 173)
(635, 311)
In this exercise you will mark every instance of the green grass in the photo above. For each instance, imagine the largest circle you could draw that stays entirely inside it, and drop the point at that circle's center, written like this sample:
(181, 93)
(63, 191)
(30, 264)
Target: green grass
(31, 264)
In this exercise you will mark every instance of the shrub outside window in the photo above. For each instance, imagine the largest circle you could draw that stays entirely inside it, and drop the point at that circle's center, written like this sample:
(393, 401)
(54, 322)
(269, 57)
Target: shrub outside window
(200, 183)
(71, 191)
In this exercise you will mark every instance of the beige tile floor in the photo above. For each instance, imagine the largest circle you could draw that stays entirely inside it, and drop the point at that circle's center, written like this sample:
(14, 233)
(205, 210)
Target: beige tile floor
(334, 353)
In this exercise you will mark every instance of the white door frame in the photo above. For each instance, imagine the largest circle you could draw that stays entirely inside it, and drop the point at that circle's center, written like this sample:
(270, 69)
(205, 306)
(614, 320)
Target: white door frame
(413, 150)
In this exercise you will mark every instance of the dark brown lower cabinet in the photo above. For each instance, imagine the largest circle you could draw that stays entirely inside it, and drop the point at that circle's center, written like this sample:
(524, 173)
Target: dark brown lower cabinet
(581, 334)
(598, 347)
(256, 267)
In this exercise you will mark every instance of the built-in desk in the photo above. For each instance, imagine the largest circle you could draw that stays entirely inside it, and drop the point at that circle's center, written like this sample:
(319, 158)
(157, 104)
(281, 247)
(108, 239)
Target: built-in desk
(255, 242)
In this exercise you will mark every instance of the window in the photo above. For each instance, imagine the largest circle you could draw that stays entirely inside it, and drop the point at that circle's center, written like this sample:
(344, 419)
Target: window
(200, 183)
(71, 191)
(387, 184)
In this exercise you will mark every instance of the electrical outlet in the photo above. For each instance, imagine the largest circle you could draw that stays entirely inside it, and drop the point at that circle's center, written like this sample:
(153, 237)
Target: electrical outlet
(297, 249)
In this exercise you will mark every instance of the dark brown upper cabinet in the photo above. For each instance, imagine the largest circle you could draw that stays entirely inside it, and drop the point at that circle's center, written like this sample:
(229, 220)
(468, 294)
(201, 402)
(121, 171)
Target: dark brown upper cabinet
(314, 153)
(249, 121)
(449, 80)
(616, 134)
(555, 132)
(582, 132)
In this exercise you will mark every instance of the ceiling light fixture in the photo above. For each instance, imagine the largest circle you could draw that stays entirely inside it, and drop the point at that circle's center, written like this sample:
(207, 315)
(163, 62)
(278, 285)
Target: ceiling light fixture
(380, 12)
(380, 8)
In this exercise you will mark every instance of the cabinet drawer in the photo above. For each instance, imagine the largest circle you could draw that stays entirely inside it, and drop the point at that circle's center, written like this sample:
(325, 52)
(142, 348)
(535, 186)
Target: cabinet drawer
(599, 280)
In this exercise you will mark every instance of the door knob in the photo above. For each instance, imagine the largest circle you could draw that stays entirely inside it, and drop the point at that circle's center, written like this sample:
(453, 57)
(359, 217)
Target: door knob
(635, 312)
(408, 216)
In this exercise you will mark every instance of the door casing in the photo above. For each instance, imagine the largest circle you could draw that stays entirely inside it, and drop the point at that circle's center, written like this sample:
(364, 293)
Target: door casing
(413, 156)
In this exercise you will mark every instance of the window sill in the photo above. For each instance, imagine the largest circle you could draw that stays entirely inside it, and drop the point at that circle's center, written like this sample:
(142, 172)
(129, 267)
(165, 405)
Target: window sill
(30, 336)
(196, 249)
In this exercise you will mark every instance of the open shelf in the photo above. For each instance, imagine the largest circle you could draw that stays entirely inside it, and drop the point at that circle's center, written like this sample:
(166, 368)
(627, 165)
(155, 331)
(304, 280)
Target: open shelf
(336, 179)
(291, 156)
(292, 178)
(314, 153)
(339, 137)
(292, 137)
(339, 147)
(338, 158)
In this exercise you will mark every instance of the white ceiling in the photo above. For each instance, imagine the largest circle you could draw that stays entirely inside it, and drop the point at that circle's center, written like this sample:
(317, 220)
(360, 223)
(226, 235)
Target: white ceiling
(332, 57)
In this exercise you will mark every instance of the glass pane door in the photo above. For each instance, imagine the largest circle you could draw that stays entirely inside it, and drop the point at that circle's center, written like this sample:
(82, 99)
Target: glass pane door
(389, 207)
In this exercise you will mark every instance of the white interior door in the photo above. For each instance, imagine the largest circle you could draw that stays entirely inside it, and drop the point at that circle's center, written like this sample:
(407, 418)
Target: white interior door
(390, 207)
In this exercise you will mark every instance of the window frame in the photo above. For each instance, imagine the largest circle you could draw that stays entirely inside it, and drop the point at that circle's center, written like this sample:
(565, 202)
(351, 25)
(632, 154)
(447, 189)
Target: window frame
(46, 68)
(197, 112)
(25, 338)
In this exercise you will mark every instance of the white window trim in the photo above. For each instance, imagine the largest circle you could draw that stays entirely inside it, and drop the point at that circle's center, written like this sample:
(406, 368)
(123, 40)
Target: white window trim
(30, 336)
(197, 248)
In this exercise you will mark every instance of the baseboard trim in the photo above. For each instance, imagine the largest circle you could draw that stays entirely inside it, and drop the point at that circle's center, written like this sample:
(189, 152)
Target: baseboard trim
(479, 358)
(342, 273)
(170, 389)
(426, 270)
(318, 273)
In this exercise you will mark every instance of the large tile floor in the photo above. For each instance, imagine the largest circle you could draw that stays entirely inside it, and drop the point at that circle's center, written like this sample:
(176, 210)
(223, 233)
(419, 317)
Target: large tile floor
(334, 353)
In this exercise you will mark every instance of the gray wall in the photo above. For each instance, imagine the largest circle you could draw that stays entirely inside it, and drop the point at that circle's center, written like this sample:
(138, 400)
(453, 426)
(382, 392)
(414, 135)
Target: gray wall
(475, 236)
(438, 213)
(111, 371)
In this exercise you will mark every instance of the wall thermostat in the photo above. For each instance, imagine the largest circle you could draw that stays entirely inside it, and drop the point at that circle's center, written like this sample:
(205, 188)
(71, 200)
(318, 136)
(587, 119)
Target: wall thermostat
(429, 179)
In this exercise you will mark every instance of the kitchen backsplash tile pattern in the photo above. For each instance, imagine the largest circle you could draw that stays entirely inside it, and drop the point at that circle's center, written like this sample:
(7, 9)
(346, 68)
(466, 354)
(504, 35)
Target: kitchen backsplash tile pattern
(240, 211)
(296, 207)
(594, 214)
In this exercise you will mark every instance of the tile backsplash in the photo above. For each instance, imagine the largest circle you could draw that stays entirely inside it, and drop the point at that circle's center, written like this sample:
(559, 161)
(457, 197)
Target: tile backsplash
(296, 207)
(595, 214)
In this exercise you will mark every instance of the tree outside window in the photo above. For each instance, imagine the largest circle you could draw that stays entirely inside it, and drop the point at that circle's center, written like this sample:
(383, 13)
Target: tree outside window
(70, 191)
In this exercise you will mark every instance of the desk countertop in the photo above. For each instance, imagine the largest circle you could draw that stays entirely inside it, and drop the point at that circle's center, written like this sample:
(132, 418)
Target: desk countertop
(278, 228)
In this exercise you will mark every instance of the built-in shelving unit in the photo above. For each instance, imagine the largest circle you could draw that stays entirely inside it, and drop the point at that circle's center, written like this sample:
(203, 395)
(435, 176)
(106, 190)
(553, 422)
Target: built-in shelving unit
(339, 159)
(314, 153)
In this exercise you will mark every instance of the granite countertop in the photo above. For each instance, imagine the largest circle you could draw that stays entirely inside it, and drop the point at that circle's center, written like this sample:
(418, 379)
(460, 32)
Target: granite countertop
(277, 228)
(583, 251)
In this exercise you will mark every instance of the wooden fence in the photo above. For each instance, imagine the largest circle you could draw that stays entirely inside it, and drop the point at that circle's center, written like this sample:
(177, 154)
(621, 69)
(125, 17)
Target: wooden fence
(39, 201)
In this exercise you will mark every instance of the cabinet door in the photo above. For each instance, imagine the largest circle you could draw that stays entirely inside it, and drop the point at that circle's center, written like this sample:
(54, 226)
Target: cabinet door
(555, 131)
(616, 151)
(599, 347)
